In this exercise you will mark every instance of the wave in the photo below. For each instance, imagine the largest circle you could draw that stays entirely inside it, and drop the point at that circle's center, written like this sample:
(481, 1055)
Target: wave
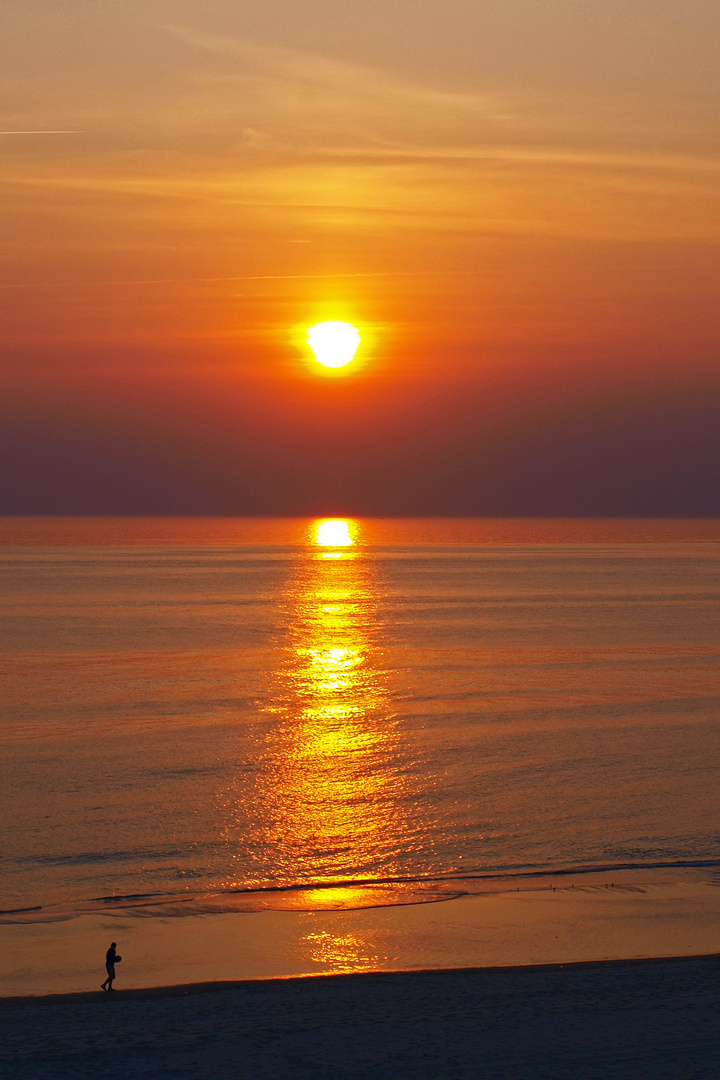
(354, 893)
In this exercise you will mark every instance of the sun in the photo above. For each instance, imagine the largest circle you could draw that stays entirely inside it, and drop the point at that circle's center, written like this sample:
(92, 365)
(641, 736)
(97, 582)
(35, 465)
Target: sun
(333, 344)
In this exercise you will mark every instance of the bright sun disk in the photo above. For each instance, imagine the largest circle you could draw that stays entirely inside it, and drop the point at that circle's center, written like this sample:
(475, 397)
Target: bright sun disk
(333, 344)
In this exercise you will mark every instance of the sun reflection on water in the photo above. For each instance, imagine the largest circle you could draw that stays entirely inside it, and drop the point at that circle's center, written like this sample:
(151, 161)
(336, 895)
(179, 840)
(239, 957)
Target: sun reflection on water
(341, 952)
(327, 801)
(334, 532)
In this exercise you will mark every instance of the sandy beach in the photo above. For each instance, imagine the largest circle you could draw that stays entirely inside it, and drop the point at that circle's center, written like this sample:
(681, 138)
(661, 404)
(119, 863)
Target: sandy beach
(640, 1019)
(582, 981)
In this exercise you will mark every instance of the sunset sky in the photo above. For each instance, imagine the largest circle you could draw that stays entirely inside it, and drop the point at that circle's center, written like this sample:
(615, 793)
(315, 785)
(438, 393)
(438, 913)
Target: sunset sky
(514, 201)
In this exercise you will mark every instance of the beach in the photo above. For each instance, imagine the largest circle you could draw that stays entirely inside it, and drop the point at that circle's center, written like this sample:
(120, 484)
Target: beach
(594, 980)
(640, 1019)
(599, 920)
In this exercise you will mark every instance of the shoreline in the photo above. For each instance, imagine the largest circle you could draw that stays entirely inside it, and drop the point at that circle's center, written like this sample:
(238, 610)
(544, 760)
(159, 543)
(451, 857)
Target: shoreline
(355, 894)
(173, 990)
(533, 929)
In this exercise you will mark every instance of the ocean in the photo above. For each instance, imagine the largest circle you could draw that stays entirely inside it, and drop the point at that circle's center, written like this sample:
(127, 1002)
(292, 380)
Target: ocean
(238, 714)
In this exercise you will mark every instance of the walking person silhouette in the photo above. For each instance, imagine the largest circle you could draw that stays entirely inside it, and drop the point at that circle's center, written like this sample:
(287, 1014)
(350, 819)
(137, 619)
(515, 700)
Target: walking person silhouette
(111, 959)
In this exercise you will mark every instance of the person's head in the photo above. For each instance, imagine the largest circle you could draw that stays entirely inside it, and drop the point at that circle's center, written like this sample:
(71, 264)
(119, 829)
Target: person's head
(113, 944)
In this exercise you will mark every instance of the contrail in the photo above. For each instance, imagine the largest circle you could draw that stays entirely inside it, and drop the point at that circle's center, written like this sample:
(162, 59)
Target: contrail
(62, 131)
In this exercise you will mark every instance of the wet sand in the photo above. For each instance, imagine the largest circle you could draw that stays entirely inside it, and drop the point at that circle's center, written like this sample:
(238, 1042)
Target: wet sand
(536, 926)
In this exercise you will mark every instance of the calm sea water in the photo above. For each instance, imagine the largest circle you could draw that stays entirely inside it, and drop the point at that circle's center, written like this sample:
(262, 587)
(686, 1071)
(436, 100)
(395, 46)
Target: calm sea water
(230, 713)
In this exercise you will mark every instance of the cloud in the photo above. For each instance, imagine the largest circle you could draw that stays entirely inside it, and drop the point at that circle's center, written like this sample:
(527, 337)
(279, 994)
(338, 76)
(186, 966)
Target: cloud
(314, 100)
(292, 67)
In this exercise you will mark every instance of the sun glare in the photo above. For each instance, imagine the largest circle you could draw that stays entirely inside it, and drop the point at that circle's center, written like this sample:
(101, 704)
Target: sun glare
(333, 344)
(333, 533)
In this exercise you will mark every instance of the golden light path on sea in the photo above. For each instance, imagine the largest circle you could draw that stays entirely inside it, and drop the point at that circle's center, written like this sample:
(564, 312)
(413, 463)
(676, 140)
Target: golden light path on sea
(333, 799)
(329, 799)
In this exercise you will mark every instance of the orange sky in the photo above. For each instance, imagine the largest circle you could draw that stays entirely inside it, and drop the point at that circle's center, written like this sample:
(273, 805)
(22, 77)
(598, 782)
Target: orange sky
(515, 202)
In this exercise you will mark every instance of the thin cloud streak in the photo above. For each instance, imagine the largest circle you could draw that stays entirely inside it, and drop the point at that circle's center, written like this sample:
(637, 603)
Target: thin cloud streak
(244, 277)
(531, 155)
(282, 64)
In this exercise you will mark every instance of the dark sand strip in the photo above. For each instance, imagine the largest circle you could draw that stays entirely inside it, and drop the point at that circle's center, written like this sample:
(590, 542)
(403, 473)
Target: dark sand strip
(640, 1019)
